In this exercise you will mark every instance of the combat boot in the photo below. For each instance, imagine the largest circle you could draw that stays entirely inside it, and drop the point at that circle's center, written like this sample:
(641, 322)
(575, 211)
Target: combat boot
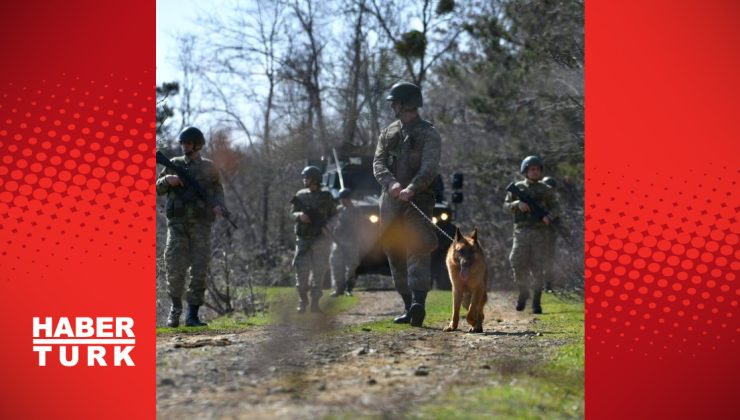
(302, 302)
(350, 286)
(315, 305)
(192, 320)
(536, 306)
(404, 318)
(301, 309)
(417, 311)
(173, 319)
(521, 303)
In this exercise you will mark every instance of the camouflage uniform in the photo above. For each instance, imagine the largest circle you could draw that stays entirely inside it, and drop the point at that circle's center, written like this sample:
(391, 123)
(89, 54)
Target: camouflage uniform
(345, 255)
(312, 244)
(189, 220)
(532, 238)
(410, 156)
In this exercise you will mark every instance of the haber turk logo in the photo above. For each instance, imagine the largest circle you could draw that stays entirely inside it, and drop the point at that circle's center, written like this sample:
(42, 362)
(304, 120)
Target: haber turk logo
(86, 341)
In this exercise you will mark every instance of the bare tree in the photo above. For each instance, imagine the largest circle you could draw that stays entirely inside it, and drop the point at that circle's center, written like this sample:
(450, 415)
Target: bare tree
(188, 63)
(419, 49)
(352, 92)
(303, 65)
(247, 50)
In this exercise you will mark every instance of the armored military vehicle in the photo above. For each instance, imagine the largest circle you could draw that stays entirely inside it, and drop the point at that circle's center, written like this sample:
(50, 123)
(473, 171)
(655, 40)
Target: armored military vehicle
(355, 171)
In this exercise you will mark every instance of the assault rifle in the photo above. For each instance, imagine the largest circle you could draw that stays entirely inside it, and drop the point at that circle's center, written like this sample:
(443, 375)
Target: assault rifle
(536, 210)
(189, 182)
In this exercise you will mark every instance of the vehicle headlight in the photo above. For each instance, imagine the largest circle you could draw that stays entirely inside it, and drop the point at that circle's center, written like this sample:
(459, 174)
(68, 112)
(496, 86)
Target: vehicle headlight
(434, 220)
(374, 218)
(444, 216)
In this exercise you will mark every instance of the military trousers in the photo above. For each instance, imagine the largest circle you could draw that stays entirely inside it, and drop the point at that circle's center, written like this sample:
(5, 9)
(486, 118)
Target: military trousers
(528, 257)
(188, 247)
(344, 260)
(311, 262)
(408, 240)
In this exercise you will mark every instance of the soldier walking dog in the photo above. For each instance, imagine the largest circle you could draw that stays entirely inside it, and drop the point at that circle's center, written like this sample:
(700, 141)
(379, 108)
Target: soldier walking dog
(405, 164)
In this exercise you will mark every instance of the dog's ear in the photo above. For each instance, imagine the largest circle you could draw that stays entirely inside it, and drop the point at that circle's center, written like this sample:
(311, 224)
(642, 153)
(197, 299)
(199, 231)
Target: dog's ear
(474, 235)
(458, 235)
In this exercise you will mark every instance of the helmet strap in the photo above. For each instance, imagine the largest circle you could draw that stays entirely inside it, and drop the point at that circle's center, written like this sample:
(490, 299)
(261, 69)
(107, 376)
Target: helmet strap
(196, 148)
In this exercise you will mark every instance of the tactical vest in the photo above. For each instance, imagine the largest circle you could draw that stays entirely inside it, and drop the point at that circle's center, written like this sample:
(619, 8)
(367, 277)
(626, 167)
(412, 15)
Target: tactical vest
(186, 203)
(322, 202)
(405, 149)
(537, 192)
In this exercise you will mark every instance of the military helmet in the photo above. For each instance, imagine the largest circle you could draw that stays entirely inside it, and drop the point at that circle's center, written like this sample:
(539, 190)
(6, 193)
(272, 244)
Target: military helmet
(531, 160)
(550, 181)
(407, 94)
(312, 172)
(345, 193)
(192, 135)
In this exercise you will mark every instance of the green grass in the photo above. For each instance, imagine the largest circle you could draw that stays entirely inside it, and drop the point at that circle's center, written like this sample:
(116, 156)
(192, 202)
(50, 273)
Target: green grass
(520, 389)
(280, 304)
(515, 397)
(551, 389)
(438, 307)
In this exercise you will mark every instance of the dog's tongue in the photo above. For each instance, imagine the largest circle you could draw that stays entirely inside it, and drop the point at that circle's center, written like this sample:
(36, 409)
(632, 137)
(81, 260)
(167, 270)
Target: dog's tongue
(464, 272)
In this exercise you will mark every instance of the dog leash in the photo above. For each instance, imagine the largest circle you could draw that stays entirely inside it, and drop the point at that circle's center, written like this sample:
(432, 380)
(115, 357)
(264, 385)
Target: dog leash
(431, 221)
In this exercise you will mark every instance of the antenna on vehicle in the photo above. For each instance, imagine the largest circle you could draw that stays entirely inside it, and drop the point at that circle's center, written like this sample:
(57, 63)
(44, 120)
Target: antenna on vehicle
(339, 167)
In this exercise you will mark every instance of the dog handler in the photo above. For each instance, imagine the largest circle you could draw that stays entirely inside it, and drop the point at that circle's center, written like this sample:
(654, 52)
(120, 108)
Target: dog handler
(528, 255)
(405, 164)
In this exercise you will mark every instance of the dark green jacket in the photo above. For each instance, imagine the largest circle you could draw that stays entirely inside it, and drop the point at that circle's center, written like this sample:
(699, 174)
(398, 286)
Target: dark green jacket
(321, 201)
(542, 194)
(184, 203)
(408, 155)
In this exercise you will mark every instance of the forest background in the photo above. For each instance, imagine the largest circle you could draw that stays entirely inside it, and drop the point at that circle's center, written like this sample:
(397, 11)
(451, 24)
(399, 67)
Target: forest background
(274, 83)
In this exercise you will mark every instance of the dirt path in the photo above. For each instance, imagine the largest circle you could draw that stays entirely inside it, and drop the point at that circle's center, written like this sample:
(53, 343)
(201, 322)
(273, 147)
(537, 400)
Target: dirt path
(317, 367)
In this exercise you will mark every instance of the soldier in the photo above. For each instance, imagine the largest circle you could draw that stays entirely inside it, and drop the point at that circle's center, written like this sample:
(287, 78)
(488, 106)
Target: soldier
(549, 251)
(312, 209)
(189, 220)
(405, 164)
(530, 235)
(345, 256)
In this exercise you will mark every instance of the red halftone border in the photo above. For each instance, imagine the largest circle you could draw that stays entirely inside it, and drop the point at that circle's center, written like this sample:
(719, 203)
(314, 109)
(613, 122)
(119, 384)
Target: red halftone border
(661, 240)
(77, 168)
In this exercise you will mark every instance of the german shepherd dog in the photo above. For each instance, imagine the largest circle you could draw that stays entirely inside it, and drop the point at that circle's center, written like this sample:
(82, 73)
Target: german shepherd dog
(466, 265)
